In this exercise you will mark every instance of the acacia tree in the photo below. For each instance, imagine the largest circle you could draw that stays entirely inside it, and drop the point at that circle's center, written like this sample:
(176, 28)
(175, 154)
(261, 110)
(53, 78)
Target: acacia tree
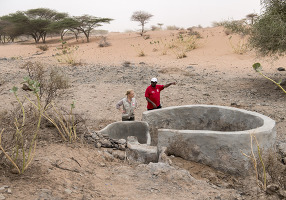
(87, 23)
(268, 34)
(142, 17)
(251, 17)
(39, 21)
(64, 25)
(12, 26)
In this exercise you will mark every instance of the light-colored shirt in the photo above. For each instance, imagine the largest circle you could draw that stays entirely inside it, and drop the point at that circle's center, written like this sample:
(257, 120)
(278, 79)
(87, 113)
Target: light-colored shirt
(128, 107)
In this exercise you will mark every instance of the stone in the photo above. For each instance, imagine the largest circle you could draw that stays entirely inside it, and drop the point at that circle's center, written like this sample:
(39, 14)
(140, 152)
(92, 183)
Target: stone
(26, 87)
(272, 189)
(163, 156)
(141, 153)
(68, 191)
(121, 141)
(119, 154)
(106, 143)
(281, 69)
(281, 147)
(2, 197)
(97, 144)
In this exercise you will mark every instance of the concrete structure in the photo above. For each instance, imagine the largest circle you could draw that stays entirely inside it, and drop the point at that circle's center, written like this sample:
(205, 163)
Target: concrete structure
(121, 130)
(212, 135)
(141, 153)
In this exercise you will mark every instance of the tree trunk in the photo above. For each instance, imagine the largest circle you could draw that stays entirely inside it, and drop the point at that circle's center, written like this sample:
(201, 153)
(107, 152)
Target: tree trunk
(142, 31)
(86, 35)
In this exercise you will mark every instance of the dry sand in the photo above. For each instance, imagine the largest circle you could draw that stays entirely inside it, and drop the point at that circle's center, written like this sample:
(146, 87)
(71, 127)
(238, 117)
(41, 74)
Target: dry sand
(210, 74)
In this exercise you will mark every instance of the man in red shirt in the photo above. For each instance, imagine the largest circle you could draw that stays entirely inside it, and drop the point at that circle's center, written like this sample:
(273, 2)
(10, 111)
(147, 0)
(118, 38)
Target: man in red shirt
(152, 94)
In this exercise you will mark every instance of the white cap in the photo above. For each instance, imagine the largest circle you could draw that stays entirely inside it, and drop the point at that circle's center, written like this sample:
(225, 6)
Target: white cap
(154, 80)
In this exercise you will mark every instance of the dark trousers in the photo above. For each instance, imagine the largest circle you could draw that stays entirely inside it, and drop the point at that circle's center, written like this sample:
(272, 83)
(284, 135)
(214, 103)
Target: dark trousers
(156, 108)
(130, 119)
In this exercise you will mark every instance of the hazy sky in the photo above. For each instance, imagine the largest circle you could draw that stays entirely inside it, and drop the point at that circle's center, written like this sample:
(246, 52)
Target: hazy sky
(181, 13)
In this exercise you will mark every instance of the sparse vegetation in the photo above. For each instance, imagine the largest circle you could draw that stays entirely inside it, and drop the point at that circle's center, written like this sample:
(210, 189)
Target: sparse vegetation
(64, 123)
(192, 32)
(139, 50)
(183, 44)
(239, 47)
(66, 54)
(160, 45)
(252, 157)
(49, 85)
(24, 141)
(258, 68)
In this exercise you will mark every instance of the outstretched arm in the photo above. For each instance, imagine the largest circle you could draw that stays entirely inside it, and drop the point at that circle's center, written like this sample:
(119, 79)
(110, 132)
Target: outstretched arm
(167, 85)
(154, 105)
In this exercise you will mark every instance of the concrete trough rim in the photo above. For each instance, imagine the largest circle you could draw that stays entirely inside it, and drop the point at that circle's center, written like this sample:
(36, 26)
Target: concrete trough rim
(268, 124)
(148, 137)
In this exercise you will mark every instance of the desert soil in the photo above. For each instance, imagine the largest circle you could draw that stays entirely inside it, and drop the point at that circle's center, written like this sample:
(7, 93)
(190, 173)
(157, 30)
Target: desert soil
(211, 74)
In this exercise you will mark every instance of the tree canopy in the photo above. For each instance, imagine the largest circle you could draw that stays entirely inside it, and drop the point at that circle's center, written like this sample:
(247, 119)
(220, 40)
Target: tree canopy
(269, 30)
(41, 21)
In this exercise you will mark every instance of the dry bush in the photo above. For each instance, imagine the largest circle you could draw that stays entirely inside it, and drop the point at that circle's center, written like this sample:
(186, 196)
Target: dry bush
(51, 81)
(43, 47)
(126, 64)
(192, 32)
(139, 49)
(68, 123)
(172, 28)
(239, 47)
(183, 44)
(155, 28)
(103, 42)
(66, 54)
(146, 37)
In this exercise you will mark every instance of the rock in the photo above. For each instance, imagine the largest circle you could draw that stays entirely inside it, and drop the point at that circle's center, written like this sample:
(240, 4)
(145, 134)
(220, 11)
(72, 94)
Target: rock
(9, 191)
(14, 171)
(102, 164)
(281, 69)
(282, 194)
(97, 144)
(26, 87)
(2, 197)
(272, 189)
(119, 154)
(121, 141)
(163, 156)
(68, 191)
(106, 143)
(282, 149)
(95, 136)
(122, 147)
(284, 161)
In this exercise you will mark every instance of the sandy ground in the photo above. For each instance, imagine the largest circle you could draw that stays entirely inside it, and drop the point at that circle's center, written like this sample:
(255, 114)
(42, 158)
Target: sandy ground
(210, 74)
